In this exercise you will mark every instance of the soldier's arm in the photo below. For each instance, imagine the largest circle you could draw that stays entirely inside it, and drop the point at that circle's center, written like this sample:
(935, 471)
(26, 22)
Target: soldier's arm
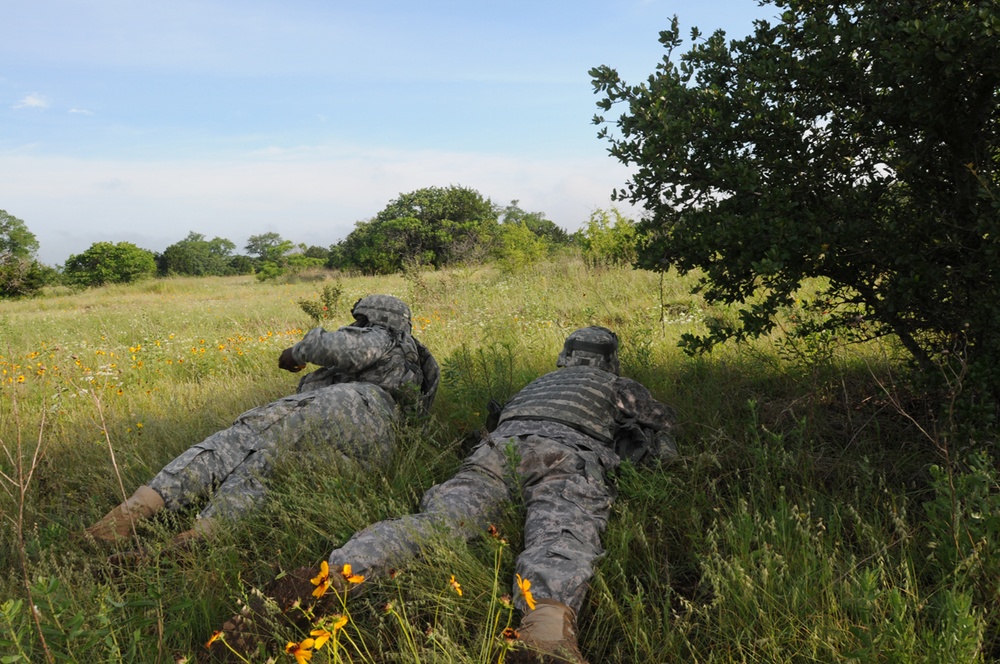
(656, 419)
(348, 349)
(636, 402)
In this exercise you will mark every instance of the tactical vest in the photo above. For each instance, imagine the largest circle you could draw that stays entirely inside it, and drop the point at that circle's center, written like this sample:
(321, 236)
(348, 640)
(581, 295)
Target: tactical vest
(581, 397)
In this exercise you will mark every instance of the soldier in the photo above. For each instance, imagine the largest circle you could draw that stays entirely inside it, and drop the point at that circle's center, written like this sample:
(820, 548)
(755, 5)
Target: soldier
(372, 371)
(567, 430)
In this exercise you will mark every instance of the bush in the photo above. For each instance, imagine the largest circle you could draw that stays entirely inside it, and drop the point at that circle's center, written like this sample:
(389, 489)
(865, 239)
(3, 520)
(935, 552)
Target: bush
(324, 306)
(609, 239)
(196, 256)
(518, 246)
(107, 263)
(432, 226)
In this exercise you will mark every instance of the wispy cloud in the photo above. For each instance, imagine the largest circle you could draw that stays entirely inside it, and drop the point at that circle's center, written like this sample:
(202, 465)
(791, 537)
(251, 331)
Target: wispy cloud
(80, 111)
(33, 100)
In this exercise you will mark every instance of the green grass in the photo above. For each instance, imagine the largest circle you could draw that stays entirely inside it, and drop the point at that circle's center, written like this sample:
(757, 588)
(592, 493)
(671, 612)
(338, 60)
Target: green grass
(808, 518)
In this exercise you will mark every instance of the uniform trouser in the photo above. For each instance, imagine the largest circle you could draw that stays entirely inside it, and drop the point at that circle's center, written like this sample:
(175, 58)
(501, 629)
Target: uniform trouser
(567, 501)
(354, 419)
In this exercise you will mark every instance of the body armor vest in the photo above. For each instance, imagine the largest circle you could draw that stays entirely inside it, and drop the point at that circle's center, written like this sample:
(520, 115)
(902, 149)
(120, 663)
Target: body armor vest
(580, 397)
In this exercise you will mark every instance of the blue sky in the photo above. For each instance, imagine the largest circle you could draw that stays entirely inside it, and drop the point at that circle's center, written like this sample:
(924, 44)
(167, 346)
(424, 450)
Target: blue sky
(140, 121)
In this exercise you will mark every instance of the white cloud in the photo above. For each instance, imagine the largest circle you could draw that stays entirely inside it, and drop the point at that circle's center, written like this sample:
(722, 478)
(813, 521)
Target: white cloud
(33, 100)
(80, 111)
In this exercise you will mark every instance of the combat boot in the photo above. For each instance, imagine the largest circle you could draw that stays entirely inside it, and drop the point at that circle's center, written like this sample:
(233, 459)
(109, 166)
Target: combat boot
(547, 635)
(117, 523)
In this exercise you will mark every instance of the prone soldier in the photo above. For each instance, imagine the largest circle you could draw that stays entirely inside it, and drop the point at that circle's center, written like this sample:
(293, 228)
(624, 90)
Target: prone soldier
(372, 372)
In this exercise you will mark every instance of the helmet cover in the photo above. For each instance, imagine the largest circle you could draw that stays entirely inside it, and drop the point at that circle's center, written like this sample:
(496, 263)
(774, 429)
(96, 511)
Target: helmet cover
(385, 310)
(593, 346)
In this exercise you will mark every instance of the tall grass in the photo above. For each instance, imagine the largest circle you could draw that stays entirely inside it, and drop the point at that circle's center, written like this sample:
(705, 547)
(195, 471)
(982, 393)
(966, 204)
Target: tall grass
(808, 518)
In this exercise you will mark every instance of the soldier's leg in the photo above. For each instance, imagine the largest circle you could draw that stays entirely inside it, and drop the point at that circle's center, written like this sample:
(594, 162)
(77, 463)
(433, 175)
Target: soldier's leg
(354, 421)
(461, 507)
(567, 502)
(187, 478)
(198, 470)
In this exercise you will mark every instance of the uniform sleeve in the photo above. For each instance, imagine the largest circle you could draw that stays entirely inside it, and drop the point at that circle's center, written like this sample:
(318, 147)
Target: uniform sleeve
(347, 350)
(637, 403)
(650, 424)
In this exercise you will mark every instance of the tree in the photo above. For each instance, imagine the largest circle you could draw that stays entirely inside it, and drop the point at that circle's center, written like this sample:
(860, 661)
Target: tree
(434, 226)
(857, 141)
(196, 256)
(107, 263)
(20, 274)
(15, 238)
(268, 247)
(315, 251)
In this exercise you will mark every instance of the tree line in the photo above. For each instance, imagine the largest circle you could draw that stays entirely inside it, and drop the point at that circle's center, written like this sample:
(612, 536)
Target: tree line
(432, 227)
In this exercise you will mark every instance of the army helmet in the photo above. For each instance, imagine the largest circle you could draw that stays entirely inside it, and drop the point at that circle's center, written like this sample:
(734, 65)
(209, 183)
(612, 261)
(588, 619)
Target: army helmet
(385, 310)
(593, 346)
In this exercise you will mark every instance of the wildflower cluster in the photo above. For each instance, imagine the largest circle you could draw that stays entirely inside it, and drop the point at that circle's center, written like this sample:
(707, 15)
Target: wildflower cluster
(83, 366)
(422, 323)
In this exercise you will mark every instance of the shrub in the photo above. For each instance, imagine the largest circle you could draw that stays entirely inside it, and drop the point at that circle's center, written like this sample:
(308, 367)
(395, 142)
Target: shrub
(609, 239)
(107, 263)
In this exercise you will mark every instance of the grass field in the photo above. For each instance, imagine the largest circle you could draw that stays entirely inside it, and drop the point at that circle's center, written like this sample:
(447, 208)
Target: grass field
(817, 511)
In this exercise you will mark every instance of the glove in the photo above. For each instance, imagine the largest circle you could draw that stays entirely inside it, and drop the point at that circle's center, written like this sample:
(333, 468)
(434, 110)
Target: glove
(288, 363)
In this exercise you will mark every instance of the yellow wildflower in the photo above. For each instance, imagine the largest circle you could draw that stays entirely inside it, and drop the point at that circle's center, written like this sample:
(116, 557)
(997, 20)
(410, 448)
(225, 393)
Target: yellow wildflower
(456, 585)
(215, 637)
(351, 578)
(321, 637)
(525, 586)
(322, 580)
(302, 652)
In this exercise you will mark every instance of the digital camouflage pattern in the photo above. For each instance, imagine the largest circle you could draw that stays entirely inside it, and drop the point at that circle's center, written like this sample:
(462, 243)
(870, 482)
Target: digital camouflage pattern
(384, 310)
(581, 397)
(355, 419)
(562, 475)
(369, 377)
(593, 346)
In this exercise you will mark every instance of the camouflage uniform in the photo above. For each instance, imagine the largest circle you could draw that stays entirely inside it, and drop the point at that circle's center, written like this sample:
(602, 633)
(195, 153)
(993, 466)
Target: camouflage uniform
(368, 376)
(561, 472)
